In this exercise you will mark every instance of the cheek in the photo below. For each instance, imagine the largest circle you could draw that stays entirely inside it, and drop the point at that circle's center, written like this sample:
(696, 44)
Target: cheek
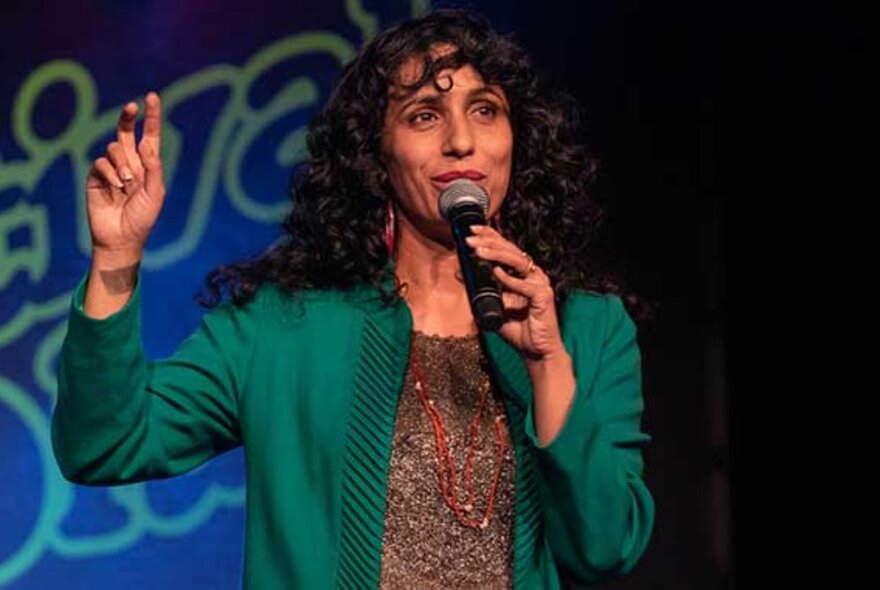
(397, 170)
(406, 168)
(501, 147)
(508, 147)
(396, 157)
(502, 153)
(408, 181)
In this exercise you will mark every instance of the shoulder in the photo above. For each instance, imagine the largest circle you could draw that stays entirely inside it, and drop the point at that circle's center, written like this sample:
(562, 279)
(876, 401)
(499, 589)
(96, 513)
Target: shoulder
(591, 305)
(273, 304)
(270, 295)
(599, 316)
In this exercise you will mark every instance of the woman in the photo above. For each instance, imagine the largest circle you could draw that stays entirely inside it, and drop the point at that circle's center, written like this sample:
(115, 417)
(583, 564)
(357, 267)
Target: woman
(388, 443)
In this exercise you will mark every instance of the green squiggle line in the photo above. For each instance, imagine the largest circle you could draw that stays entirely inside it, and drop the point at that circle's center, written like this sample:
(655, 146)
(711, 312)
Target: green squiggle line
(56, 496)
(30, 314)
(214, 497)
(42, 152)
(366, 22)
(318, 41)
(292, 149)
(115, 541)
(299, 93)
(206, 185)
(86, 104)
(44, 359)
(234, 111)
(33, 258)
(142, 519)
(419, 7)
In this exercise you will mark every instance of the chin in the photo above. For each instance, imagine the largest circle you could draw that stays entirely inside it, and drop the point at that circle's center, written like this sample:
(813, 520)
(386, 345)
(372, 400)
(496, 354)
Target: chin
(444, 237)
(438, 230)
(434, 228)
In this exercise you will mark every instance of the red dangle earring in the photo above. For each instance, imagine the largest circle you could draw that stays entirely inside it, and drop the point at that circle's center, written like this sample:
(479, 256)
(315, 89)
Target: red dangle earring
(389, 228)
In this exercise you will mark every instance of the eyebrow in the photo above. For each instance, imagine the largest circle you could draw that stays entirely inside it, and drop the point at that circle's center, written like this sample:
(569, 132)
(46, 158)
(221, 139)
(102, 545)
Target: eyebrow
(435, 98)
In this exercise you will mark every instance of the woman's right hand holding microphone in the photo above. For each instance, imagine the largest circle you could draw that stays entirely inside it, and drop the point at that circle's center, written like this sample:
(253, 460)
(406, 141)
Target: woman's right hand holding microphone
(124, 195)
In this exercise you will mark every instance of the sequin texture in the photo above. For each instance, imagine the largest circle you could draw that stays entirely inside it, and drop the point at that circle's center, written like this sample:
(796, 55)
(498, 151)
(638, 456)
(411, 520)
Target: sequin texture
(425, 546)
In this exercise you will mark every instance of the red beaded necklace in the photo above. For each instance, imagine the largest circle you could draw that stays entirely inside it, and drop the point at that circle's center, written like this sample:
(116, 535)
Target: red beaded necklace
(445, 463)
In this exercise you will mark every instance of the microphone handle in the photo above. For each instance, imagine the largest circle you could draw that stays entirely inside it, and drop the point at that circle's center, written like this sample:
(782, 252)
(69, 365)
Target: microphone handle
(482, 288)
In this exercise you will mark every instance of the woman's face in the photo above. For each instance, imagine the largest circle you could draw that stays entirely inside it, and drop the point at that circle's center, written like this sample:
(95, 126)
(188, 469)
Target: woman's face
(432, 137)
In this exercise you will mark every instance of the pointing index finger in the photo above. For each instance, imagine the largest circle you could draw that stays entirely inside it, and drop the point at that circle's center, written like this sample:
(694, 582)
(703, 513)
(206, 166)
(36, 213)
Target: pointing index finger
(153, 119)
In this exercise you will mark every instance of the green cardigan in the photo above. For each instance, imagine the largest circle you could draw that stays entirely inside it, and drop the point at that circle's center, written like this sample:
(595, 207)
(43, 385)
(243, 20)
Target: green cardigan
(309, 387)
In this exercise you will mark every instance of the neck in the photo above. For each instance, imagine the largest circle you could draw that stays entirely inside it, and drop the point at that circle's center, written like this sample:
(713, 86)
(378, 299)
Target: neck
(435, 291)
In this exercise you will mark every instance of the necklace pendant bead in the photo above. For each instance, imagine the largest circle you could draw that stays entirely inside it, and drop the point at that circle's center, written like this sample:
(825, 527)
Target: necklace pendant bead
(445, 451)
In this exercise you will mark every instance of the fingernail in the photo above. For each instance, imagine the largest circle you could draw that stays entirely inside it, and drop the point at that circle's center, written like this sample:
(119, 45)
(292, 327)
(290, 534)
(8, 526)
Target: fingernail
(118, 184)
(126, 174)
(470, 239)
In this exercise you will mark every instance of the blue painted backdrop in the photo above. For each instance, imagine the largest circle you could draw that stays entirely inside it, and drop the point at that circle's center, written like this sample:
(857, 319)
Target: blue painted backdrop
(239, 82)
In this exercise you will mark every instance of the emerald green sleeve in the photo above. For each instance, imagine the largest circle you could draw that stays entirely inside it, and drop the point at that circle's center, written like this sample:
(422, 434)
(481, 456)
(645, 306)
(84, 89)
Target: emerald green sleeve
(120, 418)
(599, 514)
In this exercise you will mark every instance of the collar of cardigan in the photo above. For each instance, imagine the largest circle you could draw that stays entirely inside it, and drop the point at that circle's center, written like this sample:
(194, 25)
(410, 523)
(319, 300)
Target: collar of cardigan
(395, 320)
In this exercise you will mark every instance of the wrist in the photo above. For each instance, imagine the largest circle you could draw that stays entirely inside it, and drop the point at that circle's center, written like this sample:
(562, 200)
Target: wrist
(557, 359)
(116, 259)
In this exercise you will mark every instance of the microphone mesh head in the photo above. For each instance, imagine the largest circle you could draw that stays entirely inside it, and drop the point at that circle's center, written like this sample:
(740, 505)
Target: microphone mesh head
(461, 191)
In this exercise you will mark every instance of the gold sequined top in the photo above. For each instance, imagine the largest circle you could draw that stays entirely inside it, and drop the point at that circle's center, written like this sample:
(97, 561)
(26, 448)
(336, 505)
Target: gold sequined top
(425, 546)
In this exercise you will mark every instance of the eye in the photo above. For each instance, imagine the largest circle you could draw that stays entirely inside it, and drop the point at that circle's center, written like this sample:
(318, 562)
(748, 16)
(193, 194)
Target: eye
(422, 118)
(486, 110)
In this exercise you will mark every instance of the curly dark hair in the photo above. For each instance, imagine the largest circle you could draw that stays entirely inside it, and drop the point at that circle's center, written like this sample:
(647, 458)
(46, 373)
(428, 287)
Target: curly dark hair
(333, 235)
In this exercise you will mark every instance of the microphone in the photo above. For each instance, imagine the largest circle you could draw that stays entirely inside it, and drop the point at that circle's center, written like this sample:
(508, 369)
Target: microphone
(464, 203)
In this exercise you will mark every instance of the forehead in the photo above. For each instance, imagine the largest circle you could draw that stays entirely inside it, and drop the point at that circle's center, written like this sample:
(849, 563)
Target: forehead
(413, 67)
(445, 84)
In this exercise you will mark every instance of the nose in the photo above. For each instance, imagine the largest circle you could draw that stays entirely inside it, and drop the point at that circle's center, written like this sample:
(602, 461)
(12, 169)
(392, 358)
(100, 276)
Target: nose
(459, 140)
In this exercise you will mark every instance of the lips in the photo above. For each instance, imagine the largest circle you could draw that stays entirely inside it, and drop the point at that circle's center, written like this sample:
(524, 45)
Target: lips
(456, 174)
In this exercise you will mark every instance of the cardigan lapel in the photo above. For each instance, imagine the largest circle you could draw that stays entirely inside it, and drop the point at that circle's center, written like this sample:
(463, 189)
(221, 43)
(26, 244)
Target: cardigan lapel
(383, 355)
(510, 370)
(512, 377)
(381, 366)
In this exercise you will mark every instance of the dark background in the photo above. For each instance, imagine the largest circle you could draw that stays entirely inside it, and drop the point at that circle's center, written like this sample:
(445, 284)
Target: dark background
(730, 136)
(647, 76)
